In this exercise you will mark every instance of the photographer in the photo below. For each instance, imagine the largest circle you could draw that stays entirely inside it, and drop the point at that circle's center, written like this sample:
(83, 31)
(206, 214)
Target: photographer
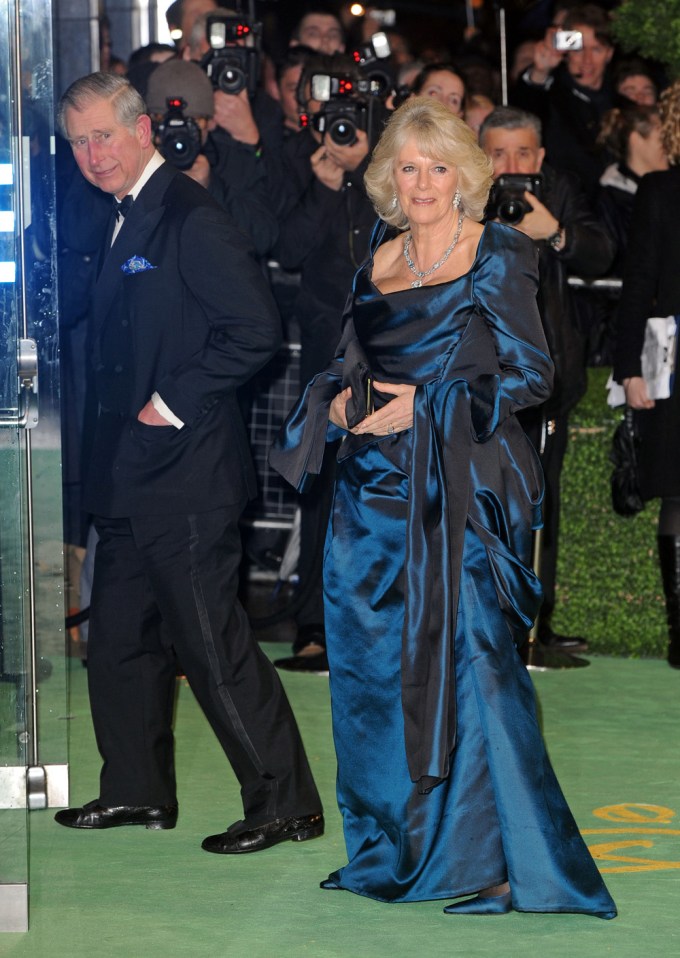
(568, 238)
(568, 87)
(325, 226)
(320, 30)
(248, 127)
(288, 75)
(182, 136)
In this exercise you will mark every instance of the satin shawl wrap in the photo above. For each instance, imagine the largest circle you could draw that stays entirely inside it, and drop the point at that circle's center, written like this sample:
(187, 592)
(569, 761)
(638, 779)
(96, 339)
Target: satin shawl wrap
(472, 466)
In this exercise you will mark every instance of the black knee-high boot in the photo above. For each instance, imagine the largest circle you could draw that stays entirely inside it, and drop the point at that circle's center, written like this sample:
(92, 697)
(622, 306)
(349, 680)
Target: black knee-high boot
(669, 557)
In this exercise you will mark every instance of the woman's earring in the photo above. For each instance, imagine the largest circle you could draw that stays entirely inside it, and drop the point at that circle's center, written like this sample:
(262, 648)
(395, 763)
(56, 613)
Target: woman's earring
(456, 199)
(394, 200)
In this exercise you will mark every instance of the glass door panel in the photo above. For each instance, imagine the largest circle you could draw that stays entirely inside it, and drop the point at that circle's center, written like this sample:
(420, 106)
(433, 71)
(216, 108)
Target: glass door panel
(13, 677)
(32, 662)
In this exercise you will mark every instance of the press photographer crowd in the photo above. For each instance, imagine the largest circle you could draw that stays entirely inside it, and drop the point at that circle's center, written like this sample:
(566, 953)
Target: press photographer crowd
(583, 139)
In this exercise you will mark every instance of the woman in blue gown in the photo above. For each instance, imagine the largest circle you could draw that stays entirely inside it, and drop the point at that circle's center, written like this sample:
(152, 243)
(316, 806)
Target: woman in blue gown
(443, 779)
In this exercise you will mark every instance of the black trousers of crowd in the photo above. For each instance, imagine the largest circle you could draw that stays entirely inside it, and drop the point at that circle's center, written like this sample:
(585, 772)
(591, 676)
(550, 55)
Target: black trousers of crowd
(552, 460)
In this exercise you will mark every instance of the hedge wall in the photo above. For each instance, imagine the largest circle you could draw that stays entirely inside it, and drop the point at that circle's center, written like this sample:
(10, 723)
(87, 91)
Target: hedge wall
(608, 580)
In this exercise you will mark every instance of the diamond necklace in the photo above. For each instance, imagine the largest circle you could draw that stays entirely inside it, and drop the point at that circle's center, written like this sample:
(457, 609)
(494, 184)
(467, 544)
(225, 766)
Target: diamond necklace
(440, 262)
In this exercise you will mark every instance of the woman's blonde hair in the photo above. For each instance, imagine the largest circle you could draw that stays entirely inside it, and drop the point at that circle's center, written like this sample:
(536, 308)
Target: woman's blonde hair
(669, 107)
(439, 135)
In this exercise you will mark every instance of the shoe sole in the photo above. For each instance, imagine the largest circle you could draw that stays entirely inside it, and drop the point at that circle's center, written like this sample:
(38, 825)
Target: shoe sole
(152, 826)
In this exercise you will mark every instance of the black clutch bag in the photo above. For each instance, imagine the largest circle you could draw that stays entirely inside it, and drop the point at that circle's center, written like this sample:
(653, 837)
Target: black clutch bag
(361, 403)
(625, 483)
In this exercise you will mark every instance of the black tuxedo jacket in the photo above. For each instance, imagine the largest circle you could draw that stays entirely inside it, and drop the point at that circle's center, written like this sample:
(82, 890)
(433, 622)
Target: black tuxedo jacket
(180, 308)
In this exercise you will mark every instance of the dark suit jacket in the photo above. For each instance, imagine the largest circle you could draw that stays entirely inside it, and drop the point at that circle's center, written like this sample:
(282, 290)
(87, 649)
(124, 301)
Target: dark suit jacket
(588, 252)
(651, 287)
(571, 115)
(194, 324)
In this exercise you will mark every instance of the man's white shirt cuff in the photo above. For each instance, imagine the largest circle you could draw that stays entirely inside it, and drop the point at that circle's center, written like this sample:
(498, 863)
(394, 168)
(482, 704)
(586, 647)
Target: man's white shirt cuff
(165, 411)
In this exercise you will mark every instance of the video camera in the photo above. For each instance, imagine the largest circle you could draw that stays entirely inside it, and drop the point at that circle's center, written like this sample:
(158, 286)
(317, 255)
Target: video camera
(233, 61)
(352, 101)
(506, 199)
(178, 136)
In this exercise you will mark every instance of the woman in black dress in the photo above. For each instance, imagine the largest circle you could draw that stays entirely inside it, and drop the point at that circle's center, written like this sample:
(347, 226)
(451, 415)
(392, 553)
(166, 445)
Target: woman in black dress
(651, 287)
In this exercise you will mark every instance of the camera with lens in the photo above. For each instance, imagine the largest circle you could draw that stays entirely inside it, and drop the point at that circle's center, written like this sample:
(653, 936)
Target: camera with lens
(178, 136)
(368, 58)
(233, 61)
(566, 40)
(506, 200)
(353, 96)
(345, 107)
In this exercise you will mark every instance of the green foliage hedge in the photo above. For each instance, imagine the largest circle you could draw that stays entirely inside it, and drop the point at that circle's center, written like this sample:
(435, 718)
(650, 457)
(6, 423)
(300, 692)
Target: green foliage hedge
(608, 580)
(650, 27)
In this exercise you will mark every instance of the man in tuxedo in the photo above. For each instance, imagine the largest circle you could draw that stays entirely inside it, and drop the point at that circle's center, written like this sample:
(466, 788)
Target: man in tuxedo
(181, 318)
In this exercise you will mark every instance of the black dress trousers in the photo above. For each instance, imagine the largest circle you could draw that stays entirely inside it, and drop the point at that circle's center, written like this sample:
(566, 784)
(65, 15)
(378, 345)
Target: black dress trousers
(165, 585)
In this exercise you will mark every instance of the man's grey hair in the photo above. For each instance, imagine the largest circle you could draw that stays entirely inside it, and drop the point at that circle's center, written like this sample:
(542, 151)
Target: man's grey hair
(198, 34)
(127, 102)
(510, 118)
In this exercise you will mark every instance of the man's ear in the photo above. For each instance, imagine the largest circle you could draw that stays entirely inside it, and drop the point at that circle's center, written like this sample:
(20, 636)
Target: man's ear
(143, 130)
(541, 157)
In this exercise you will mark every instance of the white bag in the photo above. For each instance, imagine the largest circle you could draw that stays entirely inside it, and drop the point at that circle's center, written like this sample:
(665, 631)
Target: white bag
(657, 359)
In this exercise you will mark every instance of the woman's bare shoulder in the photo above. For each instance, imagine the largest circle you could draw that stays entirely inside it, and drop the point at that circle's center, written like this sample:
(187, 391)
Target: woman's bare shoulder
(388, 253)
(386, 262)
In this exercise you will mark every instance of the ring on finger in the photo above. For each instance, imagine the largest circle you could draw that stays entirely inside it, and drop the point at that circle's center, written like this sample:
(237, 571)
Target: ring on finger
(390, 429)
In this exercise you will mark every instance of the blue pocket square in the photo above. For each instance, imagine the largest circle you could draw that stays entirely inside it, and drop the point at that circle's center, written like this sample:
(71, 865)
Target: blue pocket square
(136, 264)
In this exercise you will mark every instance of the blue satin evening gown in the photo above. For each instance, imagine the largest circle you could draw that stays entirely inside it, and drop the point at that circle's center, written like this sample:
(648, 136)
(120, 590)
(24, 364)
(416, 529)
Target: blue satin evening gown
(443, 780)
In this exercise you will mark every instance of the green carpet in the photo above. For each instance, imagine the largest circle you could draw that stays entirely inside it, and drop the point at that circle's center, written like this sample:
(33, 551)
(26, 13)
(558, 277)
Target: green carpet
(612, 731)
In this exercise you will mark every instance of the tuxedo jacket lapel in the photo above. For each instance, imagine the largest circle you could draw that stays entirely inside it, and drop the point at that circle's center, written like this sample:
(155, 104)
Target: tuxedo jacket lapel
(145, 214)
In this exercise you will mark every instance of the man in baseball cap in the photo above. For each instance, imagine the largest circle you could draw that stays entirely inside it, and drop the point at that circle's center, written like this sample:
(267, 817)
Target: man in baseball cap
(181, 102)
(179, 98)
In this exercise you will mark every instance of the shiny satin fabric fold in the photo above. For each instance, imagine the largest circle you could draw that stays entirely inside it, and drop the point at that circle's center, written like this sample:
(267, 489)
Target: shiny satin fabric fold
(453, 418)
(297, 452)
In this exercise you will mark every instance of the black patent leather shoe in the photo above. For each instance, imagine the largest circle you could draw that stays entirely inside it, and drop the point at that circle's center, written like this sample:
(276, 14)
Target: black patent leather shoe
(94, 815)
(238, 840)
(316, 664)
(564, 643)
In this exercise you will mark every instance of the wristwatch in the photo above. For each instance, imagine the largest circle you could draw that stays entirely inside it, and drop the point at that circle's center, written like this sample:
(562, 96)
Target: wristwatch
(556, 240)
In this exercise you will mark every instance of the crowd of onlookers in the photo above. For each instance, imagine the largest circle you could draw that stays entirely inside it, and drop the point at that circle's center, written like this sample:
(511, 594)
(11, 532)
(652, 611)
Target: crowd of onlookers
(281, 133)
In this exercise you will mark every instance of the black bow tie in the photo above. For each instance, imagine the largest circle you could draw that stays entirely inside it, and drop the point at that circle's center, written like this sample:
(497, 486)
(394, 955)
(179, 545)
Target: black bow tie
(123, 208)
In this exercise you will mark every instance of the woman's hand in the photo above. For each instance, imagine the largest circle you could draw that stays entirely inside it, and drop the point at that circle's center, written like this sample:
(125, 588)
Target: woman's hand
(637, 396)
(336, 413)
(395, 416)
